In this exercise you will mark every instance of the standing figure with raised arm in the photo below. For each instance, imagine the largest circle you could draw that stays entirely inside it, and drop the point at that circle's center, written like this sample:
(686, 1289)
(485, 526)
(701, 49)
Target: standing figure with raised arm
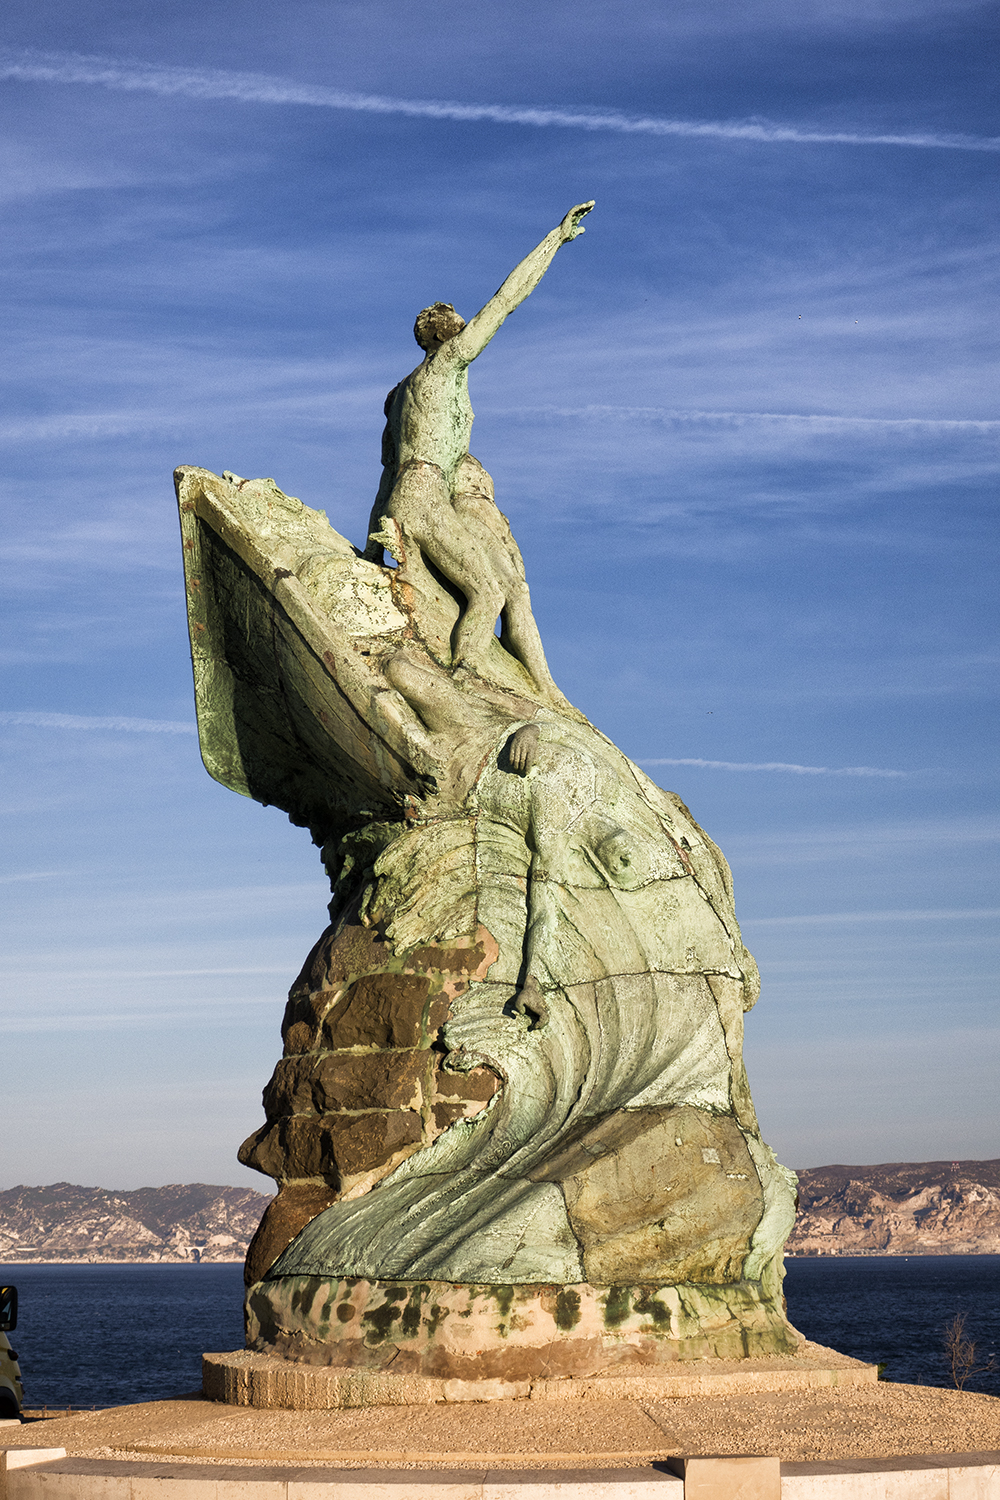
(439, 496)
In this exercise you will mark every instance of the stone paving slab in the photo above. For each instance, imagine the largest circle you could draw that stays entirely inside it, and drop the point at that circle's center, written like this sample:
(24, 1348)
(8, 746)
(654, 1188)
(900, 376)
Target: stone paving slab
(95, 1479)
(39, 1476)
(953, 1476)
(882, 1421)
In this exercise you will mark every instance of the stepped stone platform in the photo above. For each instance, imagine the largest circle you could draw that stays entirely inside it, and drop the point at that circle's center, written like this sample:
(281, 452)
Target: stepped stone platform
(873, 1441)
(244, 1378)
(48, 1475)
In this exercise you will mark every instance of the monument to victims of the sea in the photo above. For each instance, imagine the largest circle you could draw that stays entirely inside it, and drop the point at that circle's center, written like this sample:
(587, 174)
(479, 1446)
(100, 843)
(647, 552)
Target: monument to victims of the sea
(511, 1128)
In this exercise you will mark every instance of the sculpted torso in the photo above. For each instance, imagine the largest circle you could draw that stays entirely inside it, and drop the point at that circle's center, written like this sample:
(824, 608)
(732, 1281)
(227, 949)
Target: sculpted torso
(429, 417)
(434, 507)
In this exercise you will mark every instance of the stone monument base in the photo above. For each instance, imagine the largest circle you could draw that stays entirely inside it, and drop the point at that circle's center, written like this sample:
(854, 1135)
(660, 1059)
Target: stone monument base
(244, 1378)
(459, 1331)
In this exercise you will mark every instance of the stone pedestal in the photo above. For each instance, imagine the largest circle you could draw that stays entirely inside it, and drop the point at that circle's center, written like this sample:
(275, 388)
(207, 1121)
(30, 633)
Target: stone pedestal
(244, 1378)
(510, 1333)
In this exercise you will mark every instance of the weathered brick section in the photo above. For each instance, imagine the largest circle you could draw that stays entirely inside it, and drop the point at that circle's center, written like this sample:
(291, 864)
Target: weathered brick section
(458, 1096)
(290, 1211)
(307, 1147)
(319, 1082)
(382, 1010)
(361, 1085)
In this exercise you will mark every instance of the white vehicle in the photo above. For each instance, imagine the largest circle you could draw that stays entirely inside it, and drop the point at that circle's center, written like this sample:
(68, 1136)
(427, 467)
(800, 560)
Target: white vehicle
(11, 1389)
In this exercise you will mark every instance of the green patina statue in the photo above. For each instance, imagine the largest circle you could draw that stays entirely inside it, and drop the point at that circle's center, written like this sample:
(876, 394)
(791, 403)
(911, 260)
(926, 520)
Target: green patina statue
(511, 1128)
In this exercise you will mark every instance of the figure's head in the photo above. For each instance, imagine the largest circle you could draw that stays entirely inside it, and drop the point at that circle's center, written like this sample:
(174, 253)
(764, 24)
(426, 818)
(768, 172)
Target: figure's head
(435, 325)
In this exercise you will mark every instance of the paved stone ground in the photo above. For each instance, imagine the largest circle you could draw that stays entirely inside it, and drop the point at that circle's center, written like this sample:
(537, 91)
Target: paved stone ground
(875, 1421)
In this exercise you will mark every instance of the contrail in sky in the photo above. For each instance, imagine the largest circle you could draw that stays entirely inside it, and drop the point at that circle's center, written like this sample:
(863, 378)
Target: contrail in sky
(964, 914)
(257, 88)
(818, 421)
(175, 726)
(80, 721)
(774, 765)
(109, 424)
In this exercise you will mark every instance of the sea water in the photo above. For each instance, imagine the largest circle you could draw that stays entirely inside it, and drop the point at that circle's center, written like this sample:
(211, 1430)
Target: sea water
(93, 1335)
(104, 1335)
(892, 1310)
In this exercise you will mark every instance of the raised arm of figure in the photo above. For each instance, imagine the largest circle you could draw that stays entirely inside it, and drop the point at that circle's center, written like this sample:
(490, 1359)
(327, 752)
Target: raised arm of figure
(521, 282)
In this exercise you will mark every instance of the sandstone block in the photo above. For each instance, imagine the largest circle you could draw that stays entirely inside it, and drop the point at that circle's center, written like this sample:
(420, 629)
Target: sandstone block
(346, 955)
(669, 1192)
(477, 1084)
(285, 1215)
(444, 1114)
(329, 1146)
(468, 958)
(729, 1478)
(380, 1010)
(323, 1082)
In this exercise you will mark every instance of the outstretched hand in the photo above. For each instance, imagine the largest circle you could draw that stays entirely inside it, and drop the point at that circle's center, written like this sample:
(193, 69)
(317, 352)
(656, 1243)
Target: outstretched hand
(570, 226)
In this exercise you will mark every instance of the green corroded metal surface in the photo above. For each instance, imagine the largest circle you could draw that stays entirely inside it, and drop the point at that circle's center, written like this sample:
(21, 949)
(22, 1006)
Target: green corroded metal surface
(515, 1057)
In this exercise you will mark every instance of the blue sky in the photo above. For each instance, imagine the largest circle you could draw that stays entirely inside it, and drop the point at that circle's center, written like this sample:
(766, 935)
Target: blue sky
(746, 432)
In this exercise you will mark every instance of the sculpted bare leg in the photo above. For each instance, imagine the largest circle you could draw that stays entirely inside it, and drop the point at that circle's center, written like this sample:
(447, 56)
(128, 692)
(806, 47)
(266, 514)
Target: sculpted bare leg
(474, 503)
(421, 505)
(519, 635)
(475, 558)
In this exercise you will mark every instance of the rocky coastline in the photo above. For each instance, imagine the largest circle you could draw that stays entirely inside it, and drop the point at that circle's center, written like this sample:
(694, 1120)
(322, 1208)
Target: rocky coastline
(898, 1208)
(64, 1224)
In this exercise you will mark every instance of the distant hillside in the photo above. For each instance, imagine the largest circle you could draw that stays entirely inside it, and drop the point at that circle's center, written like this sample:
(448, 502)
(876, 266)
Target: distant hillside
(901, 1208)
(183, 1222)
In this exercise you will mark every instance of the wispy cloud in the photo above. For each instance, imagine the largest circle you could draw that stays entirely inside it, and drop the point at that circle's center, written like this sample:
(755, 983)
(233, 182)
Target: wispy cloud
(868, 842)
(19, 976)
(839, 918)
(86, 425)
(258, 88)
(811, 421)
(139, 1018)
(306, 407)
(115, 724)
(772, 765)
(181, 416)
